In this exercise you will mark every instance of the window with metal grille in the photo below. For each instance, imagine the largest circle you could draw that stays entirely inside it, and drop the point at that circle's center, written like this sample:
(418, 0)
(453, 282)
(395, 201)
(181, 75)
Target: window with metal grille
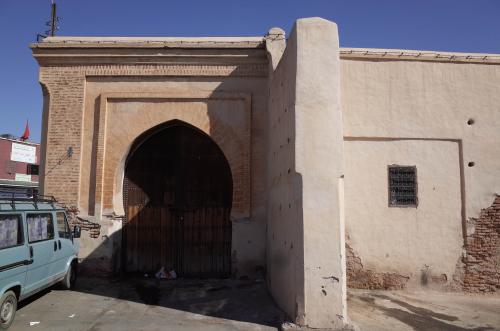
(402, 186)
(32, 169)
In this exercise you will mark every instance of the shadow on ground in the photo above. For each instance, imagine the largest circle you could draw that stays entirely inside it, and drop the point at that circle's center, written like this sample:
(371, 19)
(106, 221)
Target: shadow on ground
(243, 300)
(418, 318)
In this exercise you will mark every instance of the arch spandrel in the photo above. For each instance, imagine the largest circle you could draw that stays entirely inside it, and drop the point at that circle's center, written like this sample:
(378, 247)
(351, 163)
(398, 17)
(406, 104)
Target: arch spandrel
(125, 117)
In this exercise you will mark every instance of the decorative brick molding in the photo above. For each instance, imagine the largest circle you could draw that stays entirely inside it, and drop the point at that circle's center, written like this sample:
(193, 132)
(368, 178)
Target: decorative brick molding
(234, 143)
(215, 70)
(481, 265)
(65, 85)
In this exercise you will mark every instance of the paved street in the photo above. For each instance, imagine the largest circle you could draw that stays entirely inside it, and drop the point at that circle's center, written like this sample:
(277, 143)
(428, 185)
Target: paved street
(147, 304)
(423, 311)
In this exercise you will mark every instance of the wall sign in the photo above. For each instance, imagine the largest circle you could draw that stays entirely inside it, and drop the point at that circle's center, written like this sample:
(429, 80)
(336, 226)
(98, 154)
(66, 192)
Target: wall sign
(23, 153)
(23, 178)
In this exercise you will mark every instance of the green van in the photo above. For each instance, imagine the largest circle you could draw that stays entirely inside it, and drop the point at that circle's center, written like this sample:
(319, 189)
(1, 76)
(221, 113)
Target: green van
(37, 250)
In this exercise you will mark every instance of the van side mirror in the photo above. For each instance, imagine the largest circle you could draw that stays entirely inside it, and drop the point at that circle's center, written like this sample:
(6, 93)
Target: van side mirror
(77, 232)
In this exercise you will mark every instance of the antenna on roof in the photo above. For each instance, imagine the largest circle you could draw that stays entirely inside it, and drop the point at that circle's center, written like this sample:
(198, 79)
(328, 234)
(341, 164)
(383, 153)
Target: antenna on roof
(52, 24)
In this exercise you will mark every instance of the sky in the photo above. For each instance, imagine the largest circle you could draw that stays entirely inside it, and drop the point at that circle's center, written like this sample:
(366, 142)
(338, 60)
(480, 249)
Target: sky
(442, 25)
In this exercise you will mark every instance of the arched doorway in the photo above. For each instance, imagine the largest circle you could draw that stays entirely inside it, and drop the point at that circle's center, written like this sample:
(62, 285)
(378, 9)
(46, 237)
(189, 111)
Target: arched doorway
(177, 198)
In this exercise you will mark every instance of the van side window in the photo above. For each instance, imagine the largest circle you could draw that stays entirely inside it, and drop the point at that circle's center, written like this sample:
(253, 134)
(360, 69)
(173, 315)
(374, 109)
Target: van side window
(62, 226)
(11, 231)
(40, 227)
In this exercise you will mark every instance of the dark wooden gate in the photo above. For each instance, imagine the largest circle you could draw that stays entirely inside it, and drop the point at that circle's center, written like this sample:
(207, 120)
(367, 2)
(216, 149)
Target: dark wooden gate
(178, 195)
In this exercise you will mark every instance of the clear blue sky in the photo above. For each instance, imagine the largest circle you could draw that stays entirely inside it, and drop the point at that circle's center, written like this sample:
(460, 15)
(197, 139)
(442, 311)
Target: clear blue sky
(447, 25)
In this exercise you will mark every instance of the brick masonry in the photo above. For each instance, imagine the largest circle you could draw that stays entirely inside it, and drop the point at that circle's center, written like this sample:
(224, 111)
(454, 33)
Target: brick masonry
(478, 271)
(481, 264)
(94, 229)
(65, 88)
(360, 277)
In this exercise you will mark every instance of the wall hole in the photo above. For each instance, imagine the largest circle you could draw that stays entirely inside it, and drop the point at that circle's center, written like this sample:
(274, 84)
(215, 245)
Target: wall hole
(471, 164)
(470, 121)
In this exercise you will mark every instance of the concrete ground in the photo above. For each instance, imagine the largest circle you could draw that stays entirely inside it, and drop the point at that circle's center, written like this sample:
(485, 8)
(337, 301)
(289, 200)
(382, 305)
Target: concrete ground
(423, 311)
(209, 305)
(148, 304)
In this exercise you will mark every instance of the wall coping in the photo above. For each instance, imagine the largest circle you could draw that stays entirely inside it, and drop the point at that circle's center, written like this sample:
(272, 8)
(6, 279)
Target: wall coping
(416, 55)
(150, 42)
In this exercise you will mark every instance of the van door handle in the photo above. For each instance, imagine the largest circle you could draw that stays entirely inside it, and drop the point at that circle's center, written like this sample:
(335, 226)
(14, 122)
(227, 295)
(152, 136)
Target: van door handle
(55, 246)
(31, 252)
(59, 244)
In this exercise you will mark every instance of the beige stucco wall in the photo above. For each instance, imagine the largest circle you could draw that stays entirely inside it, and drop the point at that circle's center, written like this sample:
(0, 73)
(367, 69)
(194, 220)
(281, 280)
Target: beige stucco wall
(285, 253)
(407, 241)
(305, 225)
(425, 101)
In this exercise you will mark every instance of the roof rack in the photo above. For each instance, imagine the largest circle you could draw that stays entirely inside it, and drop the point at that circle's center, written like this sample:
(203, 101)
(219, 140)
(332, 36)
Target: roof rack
(30, 196)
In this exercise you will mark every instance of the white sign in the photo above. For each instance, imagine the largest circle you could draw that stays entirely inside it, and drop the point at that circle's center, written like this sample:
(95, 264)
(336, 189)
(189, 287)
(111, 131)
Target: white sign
(23, 178)
(23, 153)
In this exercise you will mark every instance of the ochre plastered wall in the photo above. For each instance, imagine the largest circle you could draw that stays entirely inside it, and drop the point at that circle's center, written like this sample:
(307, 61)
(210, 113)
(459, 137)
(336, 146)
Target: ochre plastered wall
(448, 115)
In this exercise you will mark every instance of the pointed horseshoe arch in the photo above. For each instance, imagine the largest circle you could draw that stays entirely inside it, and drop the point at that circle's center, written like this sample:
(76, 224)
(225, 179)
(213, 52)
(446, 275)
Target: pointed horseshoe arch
(178, 192)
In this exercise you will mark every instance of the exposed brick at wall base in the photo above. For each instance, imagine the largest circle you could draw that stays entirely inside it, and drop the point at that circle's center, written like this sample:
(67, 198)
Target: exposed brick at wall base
(482, 261)
(359, 277)
(94, 229)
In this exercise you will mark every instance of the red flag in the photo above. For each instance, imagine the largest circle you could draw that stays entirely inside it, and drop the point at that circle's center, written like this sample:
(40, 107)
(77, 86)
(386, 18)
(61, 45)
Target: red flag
(26, 133)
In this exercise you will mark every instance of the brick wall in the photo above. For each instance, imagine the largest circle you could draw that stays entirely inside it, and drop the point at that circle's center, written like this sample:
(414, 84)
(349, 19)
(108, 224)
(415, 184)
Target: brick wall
(66, 92)
(93, 228)
(482, 262)
(360, 277)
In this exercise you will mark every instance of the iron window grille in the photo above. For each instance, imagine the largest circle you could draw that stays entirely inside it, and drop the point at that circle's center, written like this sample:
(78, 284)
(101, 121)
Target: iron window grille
(403, 190)
(32, 169)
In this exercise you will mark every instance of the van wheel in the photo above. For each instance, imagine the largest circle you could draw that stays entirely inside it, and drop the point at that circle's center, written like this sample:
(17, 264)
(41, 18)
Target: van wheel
(69, 280)
(8, 306)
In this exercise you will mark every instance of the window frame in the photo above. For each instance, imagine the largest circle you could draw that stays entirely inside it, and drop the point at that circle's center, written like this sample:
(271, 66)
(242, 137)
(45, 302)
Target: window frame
(396, 205)
(19, 222)
(27, 227)
(66, 224)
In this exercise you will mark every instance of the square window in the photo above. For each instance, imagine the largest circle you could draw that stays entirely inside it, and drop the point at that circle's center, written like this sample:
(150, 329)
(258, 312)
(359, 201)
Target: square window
(32, 169)
(40, 227)
(402, 186)
(11, 231)
(62, 226)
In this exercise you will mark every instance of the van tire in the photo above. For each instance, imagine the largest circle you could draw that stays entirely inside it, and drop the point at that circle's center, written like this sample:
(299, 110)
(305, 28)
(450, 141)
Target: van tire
(69, 280)
(8, 307)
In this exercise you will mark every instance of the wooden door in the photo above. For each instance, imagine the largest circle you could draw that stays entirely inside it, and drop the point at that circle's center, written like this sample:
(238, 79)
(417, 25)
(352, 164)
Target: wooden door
(178, 191)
